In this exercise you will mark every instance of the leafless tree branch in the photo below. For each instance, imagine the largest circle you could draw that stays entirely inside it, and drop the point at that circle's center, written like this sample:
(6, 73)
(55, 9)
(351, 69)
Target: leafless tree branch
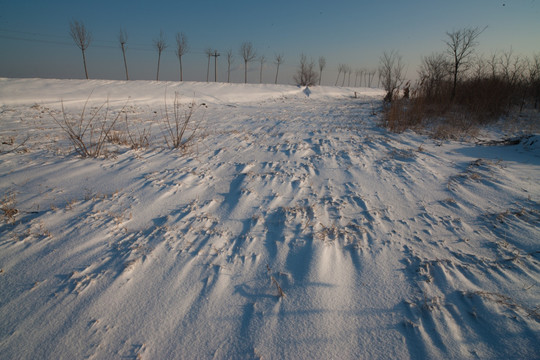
(182, 48)
(248, 54)
(82, 38)
(160, 44)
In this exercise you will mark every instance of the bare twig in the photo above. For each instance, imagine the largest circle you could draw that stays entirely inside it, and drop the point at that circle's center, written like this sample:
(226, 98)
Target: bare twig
(11, 142)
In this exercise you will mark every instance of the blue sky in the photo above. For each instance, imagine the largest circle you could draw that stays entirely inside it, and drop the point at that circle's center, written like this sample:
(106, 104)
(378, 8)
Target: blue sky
(35, 42)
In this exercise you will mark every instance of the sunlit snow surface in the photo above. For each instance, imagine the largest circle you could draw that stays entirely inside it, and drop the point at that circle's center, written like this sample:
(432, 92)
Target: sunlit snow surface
(385, 246)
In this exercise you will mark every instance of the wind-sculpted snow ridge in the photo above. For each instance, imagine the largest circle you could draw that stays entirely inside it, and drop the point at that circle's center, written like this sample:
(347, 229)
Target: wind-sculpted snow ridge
(294, 228)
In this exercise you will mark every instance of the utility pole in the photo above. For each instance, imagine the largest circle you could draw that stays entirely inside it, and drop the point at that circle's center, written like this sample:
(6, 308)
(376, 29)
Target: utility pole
(215, 55)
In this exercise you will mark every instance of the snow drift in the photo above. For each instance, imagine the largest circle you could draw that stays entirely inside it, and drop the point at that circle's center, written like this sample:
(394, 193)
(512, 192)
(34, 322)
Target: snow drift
(294, 227)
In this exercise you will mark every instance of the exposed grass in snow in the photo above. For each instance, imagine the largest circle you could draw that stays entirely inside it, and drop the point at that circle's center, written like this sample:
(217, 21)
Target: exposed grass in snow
(293, 227)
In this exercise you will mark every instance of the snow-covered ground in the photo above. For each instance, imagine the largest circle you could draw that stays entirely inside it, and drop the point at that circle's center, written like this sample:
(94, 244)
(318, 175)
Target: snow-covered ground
(292, 228)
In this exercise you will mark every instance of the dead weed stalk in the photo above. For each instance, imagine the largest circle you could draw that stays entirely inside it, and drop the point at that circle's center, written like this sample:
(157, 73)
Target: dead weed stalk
(281, 293)
(88, 135)
(179, 130)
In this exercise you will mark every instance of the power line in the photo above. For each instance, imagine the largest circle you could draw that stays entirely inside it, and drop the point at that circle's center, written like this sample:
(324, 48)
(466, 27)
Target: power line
(67, 41)
(28, 36)
(31, 33)
(95, 44)
(34, 40)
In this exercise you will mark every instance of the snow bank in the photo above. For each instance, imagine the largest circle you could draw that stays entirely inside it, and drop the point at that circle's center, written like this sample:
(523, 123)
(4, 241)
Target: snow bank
(73, 92)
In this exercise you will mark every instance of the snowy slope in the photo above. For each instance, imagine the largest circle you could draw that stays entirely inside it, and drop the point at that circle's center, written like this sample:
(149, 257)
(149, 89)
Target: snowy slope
(382, 245)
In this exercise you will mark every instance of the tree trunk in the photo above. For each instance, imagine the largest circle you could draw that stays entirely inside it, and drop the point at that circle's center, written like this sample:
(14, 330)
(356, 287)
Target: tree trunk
(84, 62)
(245, 72)
(208, 70)
(181, 75)
(229, 73)
(158, 60)
(454, 85)
(277, 72)
(215, 67)
(125, 62)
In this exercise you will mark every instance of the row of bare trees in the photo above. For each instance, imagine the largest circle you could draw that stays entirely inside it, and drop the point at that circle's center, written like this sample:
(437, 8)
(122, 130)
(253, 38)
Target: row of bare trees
(82, 38)
(306, 75)
(361, 76)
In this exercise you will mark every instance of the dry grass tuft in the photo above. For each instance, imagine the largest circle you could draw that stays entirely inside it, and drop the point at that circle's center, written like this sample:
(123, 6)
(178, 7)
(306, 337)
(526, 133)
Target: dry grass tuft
(8, 208)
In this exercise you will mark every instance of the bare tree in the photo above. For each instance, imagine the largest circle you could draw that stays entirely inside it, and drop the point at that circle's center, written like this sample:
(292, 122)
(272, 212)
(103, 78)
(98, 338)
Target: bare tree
(182, 48)
(322, 65)
(461, 44)
(209, 52)
(160, 45)
(512, 67)
(248, 54)
(230, 61)
(278, 61)
(262, 60)
(391, 72)
(346, 69)
(433, 73)
(82, 38)
(365, 75)
(359, 73)
(306, 74)
(371, 75)
(493, 63)
(122, 37)
(350, 73)
(341, 68)
(479, 67)
(534, 79)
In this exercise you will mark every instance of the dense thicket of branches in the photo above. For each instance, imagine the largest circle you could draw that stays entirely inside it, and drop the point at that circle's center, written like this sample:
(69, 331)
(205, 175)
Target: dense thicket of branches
(489, 89)
(459, 88)
(306, 74)
(391, 73)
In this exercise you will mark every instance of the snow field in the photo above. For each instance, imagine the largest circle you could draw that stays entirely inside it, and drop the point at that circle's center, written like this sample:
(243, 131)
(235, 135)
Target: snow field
(384, 245)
